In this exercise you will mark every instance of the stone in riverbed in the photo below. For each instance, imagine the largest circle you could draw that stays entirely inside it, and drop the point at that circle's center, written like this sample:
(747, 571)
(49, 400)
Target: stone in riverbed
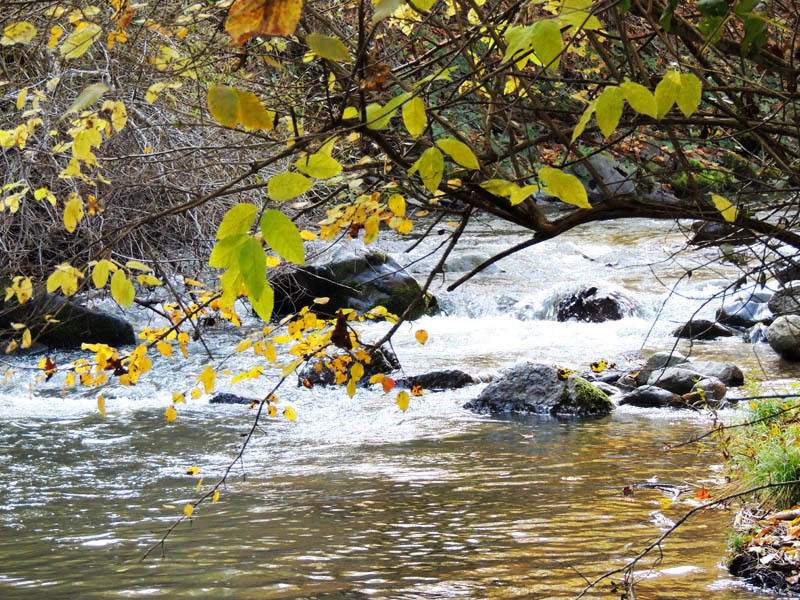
(747, 309)
(651, 396)
(702, 329)
(231, 399)
(537, 388)
(450, 379)
(594, 305)
(659, 360)
(784, 337)
(786, 301)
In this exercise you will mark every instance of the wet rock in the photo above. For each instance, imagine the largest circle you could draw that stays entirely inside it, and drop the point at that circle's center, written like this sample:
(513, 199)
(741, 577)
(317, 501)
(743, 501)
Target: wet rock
(702, 329)
(626, 382)
(438, 380)
(709, 391)
(231, 399)
(747, 565)
(467, 262)
(651, 396)
(538, 388)
(677, 380)
(355, 278)
(786, 301)
(383, 361)
(659, 360)
(784, 337)
(594, 305)
(610, 172)
(746, 310)
(73, 325)
(789, 272)
(705, 232)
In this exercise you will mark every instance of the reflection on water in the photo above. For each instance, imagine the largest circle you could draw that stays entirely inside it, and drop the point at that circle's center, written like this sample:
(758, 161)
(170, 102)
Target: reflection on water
(494, 509)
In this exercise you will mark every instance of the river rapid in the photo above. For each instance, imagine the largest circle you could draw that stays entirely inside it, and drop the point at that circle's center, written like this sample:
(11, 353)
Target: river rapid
(360, 500)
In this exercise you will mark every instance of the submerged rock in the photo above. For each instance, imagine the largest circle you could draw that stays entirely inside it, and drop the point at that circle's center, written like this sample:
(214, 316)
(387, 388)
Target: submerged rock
(541, 389)
(355, 278)
(784, 337)
(72, 324)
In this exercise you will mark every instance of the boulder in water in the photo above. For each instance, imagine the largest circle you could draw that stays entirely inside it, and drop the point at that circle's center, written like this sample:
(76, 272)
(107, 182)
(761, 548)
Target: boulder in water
(659, 360)
(438, 380)
(541, 389)
(702, 329)
(383, 361)
(355, 278)
(786, 301)
(745, 310)
(784, 337)
(651, 396)
(594, 305)
(677, 380)
(226, 398)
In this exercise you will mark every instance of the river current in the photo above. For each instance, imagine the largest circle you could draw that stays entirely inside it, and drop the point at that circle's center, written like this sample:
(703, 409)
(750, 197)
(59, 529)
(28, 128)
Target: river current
(357, 499)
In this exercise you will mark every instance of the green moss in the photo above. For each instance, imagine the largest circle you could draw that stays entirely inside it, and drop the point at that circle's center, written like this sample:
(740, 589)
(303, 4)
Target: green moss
(708, 180)
(586, 398)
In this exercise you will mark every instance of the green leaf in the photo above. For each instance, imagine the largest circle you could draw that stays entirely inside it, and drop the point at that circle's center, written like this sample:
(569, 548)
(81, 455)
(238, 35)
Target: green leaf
(223, 104)
(122, 289)
(286, 186)
(459, 152)
(640, 98)
(547, 42)
(282, 236)
(608, 110)
(565, 187)
(231, 283)
(253, 266)
(319, 165)
(575, 14)
(713, 8)
(226, 251)
(378, 116)
(666, 17)
(431, 168)
(756, 34)
(385, 8)
(583, 121)
(414, 117)
(667, 92)
(88, 96)
(264, 304)
(238, 219)
(725, 208)
(351, 112)
(690, 94)
(329, 47)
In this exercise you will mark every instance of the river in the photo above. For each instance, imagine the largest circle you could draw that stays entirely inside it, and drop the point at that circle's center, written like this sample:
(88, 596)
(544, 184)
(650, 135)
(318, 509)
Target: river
(360, 500)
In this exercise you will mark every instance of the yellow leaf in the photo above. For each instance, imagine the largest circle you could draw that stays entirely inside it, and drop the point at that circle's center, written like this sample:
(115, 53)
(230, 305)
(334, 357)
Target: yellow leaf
(188, 510)
(273, 261)
(171, 414)
(55, 34)
(308, 235)
(207, 378)
(45, 194)
(22, 96)
(244, 345)
(122, 289)
(422, 336)
(608, 109)
(431, 168)
(20, 32)
(323, 300)
(197, 487)
(119, 114)
(667, 92)
(100, 273)
(265, 18)
(459, 152)
(414, 117)
(73, 212)
(215, 497)
(101, 405)
(726, 209)
(251, 113)
(164, 348)
(565, 187)
(351, 387)
(290, 414)
(402, 400)
(178, 398)
(357, 371)
(371, 228)
(196, 393)
(319, 166)
(79, 41)
(26, 338)
(397, 205)
(149, 280)
(640, 98)
(192, 471)
(69, 380)
(690, 94)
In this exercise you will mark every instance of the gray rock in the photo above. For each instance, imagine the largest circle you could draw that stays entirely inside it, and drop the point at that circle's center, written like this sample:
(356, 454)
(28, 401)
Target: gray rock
(702, 329)
(594, 305)
(538, 388)
(727, 372)
(451, 379)
(231, 399)
(72, 325)
(609, 171)
(746, 310)
(650, 396)
(786, 301)
(659, 360)
(677, 380)
(708, 392)
(784, 337)
(354, 278)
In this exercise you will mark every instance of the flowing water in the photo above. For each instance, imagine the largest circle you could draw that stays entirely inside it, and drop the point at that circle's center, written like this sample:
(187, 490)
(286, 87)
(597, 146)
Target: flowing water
(360, 500)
